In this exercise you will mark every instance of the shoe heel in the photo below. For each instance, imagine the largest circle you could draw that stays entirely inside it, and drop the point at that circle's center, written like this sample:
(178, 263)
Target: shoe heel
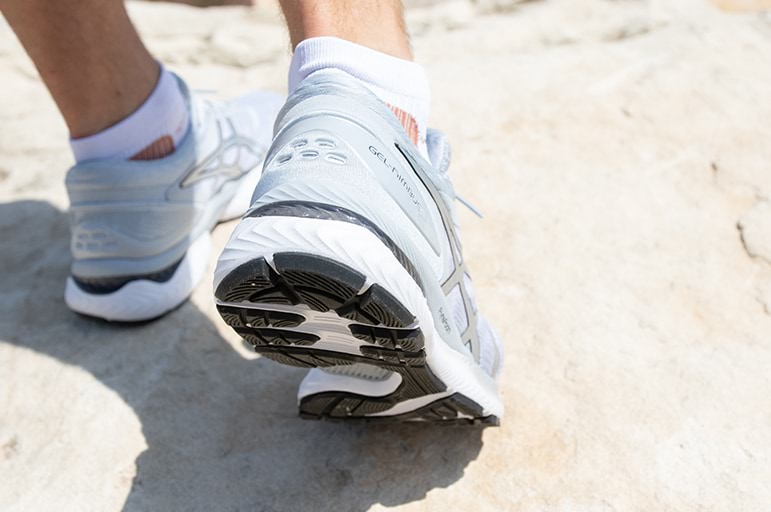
(319, 293)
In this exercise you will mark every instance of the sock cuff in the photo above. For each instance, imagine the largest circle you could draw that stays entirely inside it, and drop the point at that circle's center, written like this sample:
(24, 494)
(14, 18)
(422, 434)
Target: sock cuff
(396, 75)
(401, 84)
(164, 113)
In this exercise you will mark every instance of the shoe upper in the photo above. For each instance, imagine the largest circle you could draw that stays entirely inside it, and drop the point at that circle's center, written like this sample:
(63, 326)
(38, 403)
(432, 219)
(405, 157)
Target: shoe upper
(138, 217)
(458, 286)
(348, 149)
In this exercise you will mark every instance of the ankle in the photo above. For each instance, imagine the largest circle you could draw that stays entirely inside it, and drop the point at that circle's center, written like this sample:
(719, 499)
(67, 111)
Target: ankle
(152, 131)
(375, 24)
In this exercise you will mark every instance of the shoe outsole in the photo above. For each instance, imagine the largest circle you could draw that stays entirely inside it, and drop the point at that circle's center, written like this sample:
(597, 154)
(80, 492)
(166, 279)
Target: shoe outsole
(388, 333)
(453, 410)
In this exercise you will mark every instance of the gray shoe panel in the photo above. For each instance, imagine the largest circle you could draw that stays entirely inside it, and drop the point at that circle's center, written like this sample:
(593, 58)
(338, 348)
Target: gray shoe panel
(139, 217)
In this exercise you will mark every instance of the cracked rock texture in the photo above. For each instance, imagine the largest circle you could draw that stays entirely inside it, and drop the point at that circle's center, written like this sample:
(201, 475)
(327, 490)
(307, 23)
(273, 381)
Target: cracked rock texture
(620, 152)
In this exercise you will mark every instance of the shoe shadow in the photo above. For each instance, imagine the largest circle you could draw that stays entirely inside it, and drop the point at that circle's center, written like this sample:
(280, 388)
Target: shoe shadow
(222, 431)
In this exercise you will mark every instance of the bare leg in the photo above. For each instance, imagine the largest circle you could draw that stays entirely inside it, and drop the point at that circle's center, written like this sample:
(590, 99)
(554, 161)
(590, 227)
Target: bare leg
(89, 56)
(376, 24)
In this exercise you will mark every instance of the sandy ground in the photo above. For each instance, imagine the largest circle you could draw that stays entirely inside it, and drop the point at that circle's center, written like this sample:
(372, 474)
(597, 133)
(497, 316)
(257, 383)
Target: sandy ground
(620, 153)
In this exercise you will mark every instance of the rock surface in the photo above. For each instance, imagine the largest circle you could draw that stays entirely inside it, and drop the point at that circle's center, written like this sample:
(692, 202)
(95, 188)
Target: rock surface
(620, 153)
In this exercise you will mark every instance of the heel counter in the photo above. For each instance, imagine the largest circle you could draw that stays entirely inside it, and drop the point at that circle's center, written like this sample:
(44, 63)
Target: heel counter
(115, 213)
(123, 231)
(351, 157)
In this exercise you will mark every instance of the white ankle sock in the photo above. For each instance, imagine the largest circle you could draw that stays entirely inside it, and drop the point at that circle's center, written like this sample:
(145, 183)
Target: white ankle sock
(400, 83)
(151, 131)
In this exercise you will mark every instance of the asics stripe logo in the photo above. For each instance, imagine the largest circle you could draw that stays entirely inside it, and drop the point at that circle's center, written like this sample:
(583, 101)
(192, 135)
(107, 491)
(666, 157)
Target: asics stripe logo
(470, 336)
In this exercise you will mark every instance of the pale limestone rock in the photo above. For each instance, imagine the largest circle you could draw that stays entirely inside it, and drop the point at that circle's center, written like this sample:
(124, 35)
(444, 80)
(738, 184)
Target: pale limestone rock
(755, 227)
(615, 149)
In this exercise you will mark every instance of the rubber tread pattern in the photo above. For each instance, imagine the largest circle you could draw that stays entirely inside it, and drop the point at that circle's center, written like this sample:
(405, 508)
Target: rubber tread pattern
(393, 341)
(241, 317)
(455, 410)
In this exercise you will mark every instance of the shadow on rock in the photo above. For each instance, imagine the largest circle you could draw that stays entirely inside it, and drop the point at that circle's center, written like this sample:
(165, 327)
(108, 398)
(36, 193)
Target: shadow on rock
(222, 431)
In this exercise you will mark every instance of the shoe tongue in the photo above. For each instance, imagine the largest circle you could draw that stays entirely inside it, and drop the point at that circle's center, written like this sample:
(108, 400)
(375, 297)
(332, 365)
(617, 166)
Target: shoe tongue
(439, 153)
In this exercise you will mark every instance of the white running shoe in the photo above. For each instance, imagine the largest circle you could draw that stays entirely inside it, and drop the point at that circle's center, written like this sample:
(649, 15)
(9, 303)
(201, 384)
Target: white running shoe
(349, 261)
(141, 229)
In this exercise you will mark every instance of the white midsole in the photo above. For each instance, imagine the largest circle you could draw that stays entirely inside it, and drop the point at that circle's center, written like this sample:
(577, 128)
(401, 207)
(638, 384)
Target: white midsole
(360, 249)
(142, 300)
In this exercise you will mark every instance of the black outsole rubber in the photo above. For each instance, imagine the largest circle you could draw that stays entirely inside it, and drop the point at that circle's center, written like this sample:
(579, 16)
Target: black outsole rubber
(392, 339)
(454, 410)
(106, 285)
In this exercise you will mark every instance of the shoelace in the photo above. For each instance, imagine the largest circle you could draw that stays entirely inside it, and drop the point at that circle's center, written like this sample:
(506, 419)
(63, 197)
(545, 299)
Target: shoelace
(437, 139)
(469, 205)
